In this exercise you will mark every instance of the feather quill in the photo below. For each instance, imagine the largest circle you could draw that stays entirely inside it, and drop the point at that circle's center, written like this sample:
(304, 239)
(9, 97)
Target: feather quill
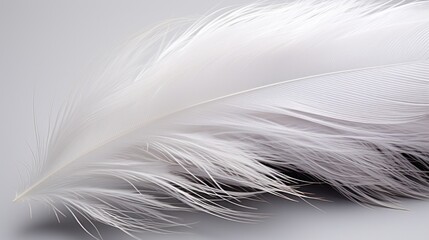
(338, 90)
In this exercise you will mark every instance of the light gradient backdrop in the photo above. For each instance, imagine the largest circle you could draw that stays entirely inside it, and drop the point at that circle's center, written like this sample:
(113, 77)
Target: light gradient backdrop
(46, 45)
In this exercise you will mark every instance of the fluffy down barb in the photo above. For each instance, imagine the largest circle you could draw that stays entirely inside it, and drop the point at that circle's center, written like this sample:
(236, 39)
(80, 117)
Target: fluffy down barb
(223, 108)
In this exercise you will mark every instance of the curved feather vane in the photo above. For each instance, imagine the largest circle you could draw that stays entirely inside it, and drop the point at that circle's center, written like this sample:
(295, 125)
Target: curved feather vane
(338, 90)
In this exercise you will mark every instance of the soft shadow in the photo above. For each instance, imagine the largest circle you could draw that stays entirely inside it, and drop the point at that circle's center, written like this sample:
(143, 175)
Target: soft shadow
(68, 227)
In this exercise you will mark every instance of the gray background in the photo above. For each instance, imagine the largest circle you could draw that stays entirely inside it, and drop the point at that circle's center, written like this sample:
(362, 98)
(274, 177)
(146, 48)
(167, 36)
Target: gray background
(46, 45)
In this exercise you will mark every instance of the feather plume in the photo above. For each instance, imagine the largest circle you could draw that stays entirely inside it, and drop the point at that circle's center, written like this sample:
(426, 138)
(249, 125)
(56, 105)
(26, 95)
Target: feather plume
(221, 108)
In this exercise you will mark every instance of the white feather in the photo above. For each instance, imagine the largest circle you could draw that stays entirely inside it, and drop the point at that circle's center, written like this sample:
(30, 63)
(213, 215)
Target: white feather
(338, 90)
